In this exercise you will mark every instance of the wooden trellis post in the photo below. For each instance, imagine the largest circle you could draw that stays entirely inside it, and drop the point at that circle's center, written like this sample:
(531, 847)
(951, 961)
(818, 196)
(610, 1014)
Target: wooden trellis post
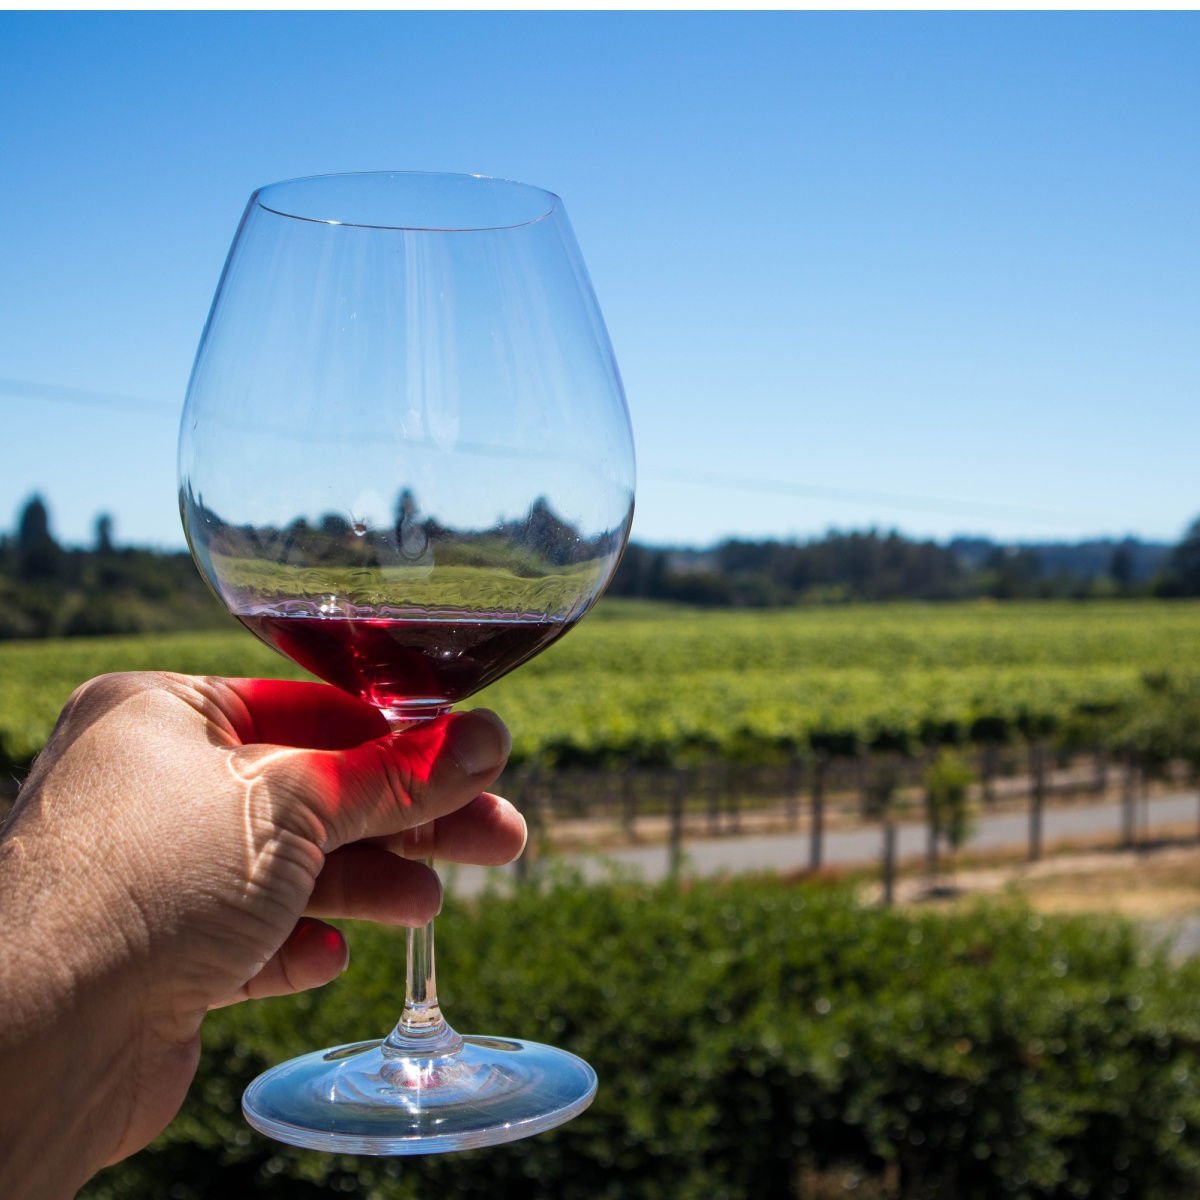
(816, 833)
(792, 784)
(1129, 791)
(1037, 796)
(629, 800)
(675, 835)
(889, 860)
(529, 802)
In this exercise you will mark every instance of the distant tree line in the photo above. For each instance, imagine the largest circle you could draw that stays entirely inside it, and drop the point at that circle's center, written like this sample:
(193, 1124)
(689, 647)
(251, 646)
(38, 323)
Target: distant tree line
(51, 590)
(873, 565)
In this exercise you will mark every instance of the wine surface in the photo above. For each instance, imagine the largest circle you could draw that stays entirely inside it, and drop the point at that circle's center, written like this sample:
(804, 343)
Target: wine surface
(399, 663)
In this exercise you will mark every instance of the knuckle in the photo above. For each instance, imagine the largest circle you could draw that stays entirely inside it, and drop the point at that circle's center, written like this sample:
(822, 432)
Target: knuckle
(92, 700)
(103, 690)
(114, 687)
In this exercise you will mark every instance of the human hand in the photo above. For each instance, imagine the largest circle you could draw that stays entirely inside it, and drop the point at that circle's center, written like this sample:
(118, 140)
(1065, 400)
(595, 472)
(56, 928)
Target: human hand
(172, 851)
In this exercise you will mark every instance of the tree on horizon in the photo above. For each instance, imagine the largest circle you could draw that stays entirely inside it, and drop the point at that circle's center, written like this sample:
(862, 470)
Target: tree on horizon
(39, 556)
(1183, 565)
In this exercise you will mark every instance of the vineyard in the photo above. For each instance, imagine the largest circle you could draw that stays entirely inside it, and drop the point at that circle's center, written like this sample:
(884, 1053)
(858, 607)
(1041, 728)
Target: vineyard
(983, 1054)
(656, 686)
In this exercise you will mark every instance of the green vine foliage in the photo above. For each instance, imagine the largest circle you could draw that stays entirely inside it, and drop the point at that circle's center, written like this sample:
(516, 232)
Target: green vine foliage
(751, 1038)
(656, 685)
(948, 780)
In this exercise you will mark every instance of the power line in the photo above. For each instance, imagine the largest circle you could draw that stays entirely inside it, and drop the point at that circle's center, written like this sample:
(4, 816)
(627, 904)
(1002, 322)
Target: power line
(29, 390)
(23, 389)
(934, 504)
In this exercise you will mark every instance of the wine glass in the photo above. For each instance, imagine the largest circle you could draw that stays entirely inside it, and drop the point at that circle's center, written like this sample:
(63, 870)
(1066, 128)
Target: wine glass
(405, 462)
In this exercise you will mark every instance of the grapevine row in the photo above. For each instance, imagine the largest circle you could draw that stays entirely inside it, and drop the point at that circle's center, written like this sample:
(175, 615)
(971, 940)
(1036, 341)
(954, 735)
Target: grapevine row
(669, 686)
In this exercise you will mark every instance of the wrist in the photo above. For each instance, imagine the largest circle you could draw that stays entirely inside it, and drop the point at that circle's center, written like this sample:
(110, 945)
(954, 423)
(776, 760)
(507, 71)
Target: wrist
(67, 1033)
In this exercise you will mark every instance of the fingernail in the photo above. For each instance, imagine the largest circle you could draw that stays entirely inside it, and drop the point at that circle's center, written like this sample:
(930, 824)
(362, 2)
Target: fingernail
(524, 824)
(338, 942)
(331, 940)
(478, 741)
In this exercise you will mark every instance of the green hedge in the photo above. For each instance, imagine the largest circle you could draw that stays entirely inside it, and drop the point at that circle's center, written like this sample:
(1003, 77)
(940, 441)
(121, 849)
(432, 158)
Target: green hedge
(749, 1037)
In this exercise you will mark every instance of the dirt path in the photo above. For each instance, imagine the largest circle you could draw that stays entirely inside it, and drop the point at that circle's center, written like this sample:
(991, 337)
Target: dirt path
(1158, 885)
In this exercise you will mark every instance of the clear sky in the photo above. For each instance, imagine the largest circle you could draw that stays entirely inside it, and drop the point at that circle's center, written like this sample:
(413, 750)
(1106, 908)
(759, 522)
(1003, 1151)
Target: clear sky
(938, 272)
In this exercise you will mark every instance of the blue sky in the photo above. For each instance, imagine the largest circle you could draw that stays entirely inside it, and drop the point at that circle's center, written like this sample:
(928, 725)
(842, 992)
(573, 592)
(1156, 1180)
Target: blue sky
(929, 271)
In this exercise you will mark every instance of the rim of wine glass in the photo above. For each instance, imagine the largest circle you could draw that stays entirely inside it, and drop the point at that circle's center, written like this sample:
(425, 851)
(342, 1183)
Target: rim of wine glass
(553, 201)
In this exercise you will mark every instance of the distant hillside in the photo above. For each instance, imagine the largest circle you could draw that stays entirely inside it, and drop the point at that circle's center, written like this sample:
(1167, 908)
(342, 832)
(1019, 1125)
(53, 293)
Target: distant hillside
(871, 565)
(1139, 561)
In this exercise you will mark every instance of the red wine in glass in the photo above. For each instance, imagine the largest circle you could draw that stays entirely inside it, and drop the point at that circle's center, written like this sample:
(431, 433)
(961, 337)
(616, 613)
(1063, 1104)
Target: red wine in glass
(399, 663)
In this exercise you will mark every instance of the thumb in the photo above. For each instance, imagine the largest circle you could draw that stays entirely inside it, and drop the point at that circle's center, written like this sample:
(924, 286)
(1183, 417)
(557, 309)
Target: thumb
(386, 785)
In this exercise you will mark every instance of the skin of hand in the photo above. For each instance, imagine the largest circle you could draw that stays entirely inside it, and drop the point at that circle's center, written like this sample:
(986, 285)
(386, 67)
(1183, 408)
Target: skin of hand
(172, 851)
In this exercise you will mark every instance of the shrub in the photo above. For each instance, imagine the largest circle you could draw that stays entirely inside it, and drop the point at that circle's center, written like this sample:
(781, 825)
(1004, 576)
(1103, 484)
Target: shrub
(750, 1036)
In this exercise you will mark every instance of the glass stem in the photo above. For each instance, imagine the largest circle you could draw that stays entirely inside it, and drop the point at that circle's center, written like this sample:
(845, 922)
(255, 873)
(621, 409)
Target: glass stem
(422, 1030)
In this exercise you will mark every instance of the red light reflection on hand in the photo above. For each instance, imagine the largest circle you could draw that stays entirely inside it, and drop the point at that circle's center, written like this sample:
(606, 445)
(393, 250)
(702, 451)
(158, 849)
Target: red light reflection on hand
(363, 781)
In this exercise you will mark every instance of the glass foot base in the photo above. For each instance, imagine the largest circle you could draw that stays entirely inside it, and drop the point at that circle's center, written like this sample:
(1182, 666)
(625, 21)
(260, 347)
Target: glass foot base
(368, 1099)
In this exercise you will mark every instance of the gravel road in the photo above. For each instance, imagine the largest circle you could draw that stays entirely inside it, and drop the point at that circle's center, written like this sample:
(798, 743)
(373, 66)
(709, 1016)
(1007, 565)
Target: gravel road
(786, 852)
